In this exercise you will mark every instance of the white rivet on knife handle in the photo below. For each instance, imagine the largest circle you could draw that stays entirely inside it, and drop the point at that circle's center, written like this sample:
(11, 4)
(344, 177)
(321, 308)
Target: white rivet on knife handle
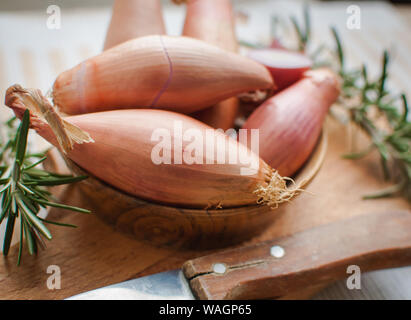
(219, 268)
(277, 251)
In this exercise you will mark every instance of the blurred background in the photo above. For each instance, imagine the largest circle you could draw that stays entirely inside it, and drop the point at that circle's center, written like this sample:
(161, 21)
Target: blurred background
(28, 45)
(38, 4)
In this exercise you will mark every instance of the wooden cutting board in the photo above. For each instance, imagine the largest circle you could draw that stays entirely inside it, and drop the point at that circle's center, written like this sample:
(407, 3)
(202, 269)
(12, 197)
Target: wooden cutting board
(95, 255)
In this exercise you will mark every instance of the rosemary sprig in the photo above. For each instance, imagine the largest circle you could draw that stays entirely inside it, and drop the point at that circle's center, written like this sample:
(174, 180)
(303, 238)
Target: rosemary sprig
(21, 190)
(382, 115)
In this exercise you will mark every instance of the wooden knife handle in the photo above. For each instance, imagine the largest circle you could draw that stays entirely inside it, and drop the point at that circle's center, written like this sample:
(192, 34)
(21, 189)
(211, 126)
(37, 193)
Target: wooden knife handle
(312, 257)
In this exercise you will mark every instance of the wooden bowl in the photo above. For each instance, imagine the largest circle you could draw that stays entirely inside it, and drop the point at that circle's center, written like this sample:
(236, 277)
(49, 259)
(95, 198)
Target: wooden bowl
(163, 225)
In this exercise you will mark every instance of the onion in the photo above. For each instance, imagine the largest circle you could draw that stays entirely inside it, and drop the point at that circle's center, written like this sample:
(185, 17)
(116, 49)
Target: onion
(285, 66)
(134, 18)
(213, 22)
(121, 148)
(174, 73)
(290, 122)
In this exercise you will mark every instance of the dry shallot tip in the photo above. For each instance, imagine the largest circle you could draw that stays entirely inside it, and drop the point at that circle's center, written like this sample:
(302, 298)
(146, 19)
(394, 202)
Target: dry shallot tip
(49, 94)
(42, 110)
(179, 1)
(276, 191)
(323, 75)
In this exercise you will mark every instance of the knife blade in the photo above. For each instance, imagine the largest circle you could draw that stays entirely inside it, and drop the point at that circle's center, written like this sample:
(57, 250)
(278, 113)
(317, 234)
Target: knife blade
(168, 285)
(281, 267)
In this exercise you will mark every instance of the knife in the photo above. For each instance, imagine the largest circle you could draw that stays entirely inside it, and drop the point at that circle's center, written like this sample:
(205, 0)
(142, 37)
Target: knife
(281, 267)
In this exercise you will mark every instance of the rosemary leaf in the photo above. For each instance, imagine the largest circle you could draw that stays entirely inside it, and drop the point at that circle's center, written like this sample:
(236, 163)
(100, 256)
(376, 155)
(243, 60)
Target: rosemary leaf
(300, 34)
(24, 188)
(339, 47)
(307, 23)
(36, 173)
(21, 242)
(8, 234)
(405, 109)
(5, 207)
(34, 219)
(50, 181)
(43, 194)
(38, 239)
(359, 155)
(388, 192)
(59, 223)
(63, 206)
(31, 244)
(35, 164)
(21, 143)
(383, 74)
(35, 155)
(5, 186)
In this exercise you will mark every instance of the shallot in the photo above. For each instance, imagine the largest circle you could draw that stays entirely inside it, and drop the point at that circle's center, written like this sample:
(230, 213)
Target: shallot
(132, 19)
(290, 122)
(213, 21)
(175, 73)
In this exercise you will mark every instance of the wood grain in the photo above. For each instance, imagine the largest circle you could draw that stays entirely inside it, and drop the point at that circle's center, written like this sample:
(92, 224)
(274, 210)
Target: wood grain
(313, 257)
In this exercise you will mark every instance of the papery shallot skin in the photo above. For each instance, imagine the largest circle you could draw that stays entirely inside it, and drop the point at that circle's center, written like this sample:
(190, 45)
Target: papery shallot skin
(291, 121)
(174, 73)
(122, 156)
